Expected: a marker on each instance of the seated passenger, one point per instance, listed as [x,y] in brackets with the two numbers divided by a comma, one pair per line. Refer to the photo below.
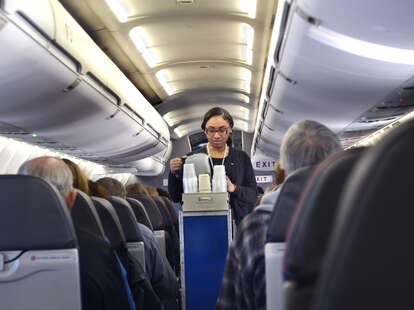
[137,189]
[97,190]
[163,193]
[80,181]
[306,143]
[156,265]
[278,177]
[102,283]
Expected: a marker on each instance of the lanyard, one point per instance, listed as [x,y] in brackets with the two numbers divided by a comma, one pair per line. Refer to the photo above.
[211,160]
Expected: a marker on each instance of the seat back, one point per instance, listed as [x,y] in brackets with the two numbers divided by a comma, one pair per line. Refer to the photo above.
[84,215]
[286,203]
[140,212]
[274,278]
[133,235]
[369,260]
[311,226]
[38,247]
[161,240]
[276,235]
[154,214]
[112,227]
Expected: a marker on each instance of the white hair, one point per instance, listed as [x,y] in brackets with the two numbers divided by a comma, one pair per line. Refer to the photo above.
[307,143]
[51,169]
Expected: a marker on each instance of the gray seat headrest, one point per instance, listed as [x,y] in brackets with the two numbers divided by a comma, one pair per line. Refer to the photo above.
[33,215]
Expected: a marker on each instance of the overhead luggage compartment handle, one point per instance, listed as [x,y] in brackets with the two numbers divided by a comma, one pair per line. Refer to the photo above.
[109,92]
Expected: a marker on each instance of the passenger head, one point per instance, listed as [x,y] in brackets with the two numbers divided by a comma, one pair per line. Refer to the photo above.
[152,191]
[54,171]
[217,125]
[278,174]
[113,187]
[163,193]
[137,189]
[307,143]
[97,190]
[80,181]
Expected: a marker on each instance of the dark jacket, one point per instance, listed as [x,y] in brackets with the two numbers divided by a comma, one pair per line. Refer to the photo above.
[101,279]
[239,170]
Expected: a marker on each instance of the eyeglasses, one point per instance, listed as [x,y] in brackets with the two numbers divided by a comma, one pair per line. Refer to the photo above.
[221,131]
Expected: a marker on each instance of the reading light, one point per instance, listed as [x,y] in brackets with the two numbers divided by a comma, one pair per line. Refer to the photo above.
[120,8]
[249,7]
[142,43]
[362,48]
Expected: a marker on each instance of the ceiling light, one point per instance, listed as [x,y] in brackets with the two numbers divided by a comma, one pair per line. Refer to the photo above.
[248,41]
[168,120]
[242,125]
[248,35]
[178,132]
[246,74]
[120,8]
[164,80]
[249,7]
[246,113]
[142,43]
[362,48]
[245,98]
[246,79]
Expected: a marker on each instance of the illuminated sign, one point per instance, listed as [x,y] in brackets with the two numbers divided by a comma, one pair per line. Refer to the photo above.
[264,179]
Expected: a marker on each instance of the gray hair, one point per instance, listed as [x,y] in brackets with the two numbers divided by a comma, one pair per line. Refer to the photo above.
[307,143]
[52,170]
[113,186]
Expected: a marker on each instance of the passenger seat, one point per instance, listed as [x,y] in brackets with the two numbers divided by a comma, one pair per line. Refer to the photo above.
[39,265]
[312,225]
[369,261]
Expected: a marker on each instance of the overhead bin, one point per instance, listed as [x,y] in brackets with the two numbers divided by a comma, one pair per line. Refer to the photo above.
[57,84]
[154,165]
[331,63]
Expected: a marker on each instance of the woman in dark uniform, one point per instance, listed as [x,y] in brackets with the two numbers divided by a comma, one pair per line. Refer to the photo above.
[241,183]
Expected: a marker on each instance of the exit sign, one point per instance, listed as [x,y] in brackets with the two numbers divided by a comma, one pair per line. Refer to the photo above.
[264,179]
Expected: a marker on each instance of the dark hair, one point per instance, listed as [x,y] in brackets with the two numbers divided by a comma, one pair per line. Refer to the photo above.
[217,111]
[98,190]
[113,187]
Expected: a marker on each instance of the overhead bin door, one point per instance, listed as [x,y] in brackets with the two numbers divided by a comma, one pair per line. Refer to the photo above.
[44,94]
[29,77]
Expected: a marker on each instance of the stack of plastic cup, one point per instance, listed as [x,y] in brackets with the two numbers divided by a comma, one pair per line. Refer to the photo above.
[189,179]
[204,185]
[219,179]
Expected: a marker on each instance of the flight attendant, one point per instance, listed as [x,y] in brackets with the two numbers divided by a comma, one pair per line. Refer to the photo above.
[241,183]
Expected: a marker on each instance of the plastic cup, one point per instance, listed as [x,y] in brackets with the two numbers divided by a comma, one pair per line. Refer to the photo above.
[219,179]
[189,171]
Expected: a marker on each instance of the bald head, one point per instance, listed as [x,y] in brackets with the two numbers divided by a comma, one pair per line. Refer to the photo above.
[54,171]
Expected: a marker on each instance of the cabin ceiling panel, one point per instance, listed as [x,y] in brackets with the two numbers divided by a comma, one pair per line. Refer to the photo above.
[179,116]
[172,7]
[173,51]
[212,96]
